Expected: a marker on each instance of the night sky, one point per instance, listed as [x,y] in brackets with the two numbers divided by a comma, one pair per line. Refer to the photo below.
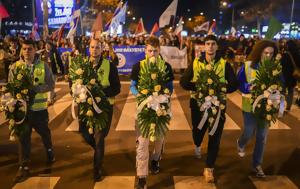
[150,10]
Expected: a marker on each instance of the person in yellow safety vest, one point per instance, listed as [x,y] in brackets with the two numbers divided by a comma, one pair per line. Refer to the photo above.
[262,50]
[109,79]
[142,150]
[187,82]
[37,115]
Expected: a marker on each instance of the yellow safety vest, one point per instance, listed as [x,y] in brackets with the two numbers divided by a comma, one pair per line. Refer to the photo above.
[40,99]
[250,77]
[219,66]
[103,77]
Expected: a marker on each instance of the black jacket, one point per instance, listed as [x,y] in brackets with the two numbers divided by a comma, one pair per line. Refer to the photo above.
[230,77]
[56,62]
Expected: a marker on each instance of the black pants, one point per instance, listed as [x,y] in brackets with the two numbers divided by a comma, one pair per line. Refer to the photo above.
[213,141]
[39,121]
[96,140]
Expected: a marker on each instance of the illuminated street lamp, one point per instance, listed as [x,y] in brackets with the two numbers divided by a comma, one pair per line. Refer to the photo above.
[224,4]
[190,19]
[201,13]
[128,12]
[133,18]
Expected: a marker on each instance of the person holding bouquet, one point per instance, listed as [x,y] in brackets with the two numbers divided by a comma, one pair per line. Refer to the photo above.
[99,80]
[209,78]
[260,83]
[37,113]
[152,84]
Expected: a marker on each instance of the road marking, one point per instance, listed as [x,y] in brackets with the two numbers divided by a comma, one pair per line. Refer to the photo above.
[59,106]
[38,183]
[74,126]
[192,182]
[274,182]
[114,182]
[128,115]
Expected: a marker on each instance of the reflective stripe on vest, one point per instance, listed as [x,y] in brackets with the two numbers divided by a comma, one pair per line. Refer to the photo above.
[103,73]
[250,74]
[40,99]
[197,66]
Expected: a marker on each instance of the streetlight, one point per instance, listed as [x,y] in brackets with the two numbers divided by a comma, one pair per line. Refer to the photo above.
[292,15]
[190,19]
[201,13]
[226,5]
[133,18]
[128,12]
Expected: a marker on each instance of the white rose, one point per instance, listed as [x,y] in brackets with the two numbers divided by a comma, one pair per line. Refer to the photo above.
[93,81]
[275,72]
[153,76]
[208,67]
[91,131]
[214,111]
[89,113]
[11,122]
[222,106]
[268,117]
[209,81]
[166,91]
[90,101]
[82,97]
[19,76]
[274,87]
[263,86]
[79,71]
[98,99]
[200,95]
[224,89]
[155,93]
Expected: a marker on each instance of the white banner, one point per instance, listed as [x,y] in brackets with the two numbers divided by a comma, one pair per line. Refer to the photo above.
[177,58]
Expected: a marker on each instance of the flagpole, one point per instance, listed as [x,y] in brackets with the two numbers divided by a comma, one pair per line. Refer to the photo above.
[292,15]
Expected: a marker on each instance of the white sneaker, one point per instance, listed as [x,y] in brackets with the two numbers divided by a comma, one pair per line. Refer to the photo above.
[198,152]
[209,175]
[241,151]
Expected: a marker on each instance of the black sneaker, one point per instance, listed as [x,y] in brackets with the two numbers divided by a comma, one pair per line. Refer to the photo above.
[141,183]
[155,167]
[22,175]
[50,156]
[258,171]
[97,174]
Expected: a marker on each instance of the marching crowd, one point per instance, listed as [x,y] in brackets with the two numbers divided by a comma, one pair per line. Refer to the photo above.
[237,60]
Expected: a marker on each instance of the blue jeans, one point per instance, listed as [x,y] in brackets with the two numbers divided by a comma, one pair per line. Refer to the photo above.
[252,126]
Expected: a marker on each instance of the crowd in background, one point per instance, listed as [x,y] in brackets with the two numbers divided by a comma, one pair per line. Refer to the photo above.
[234,49]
